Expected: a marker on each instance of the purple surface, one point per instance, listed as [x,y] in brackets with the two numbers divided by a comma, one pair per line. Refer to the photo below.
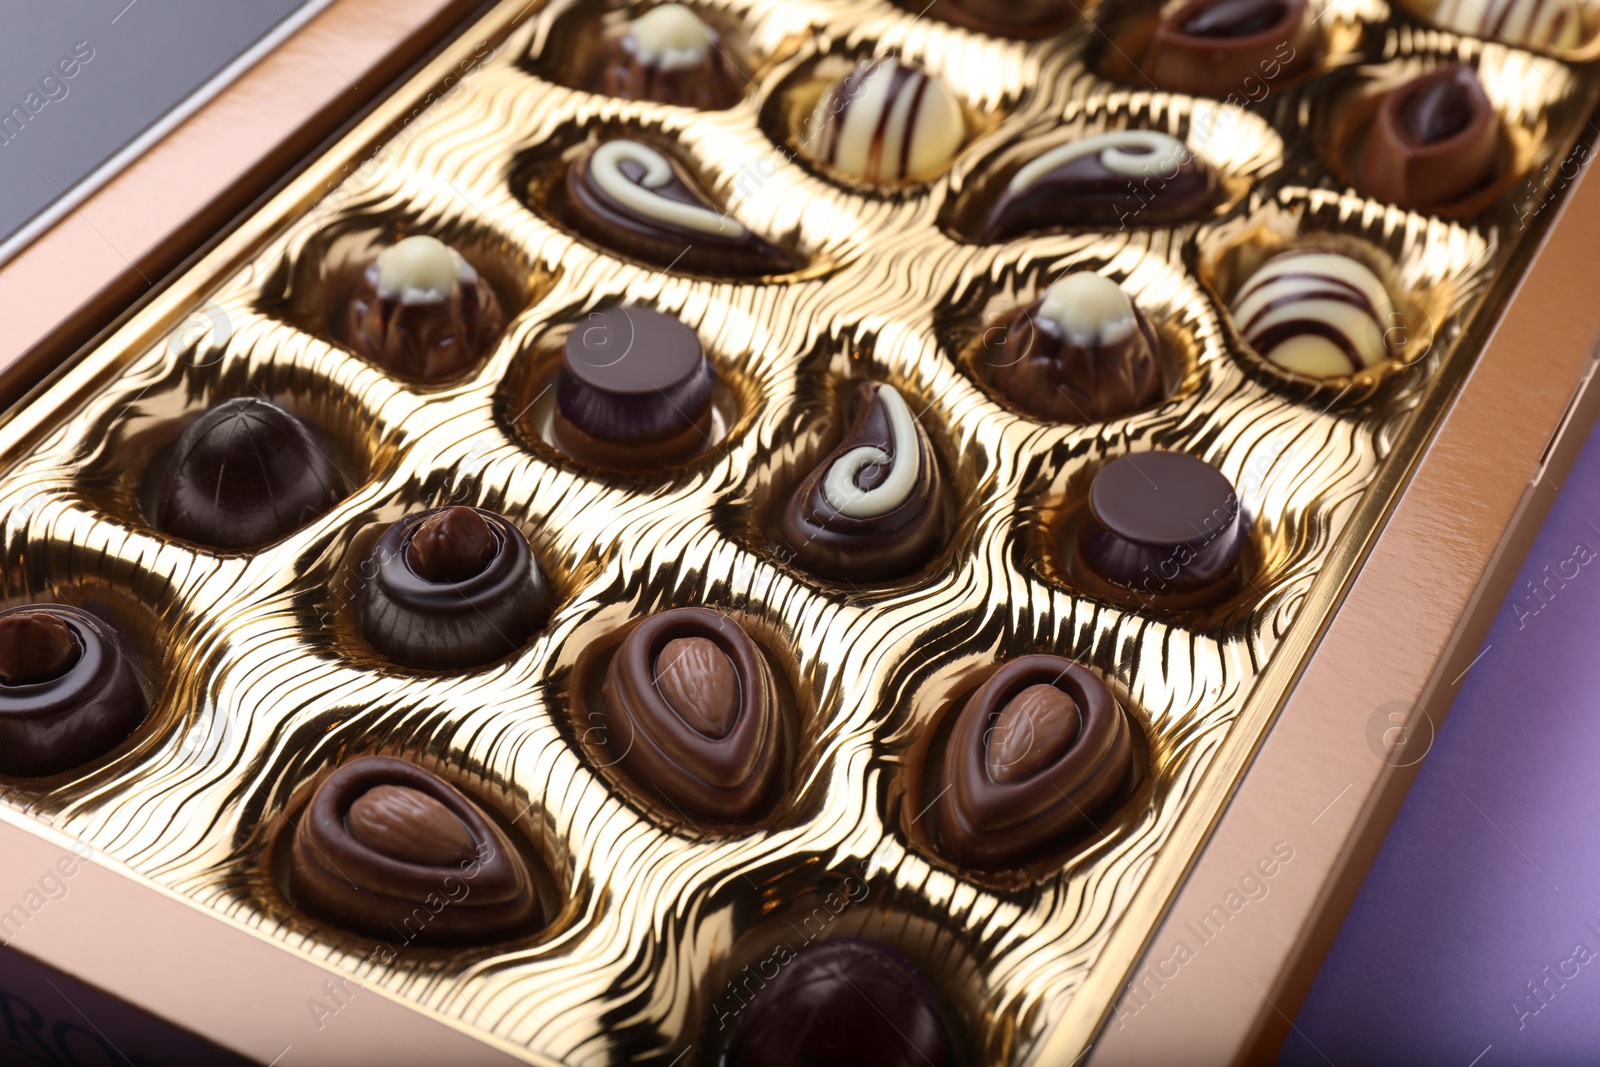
[1476,937]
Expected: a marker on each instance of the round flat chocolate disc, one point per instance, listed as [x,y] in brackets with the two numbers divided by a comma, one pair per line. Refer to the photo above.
[1161,498]
[632,351]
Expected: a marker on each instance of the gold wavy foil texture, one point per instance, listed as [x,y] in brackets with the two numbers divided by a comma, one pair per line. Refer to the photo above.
[263,682]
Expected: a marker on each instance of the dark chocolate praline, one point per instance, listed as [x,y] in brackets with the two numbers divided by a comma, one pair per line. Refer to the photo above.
[68,690]
[1005,17]
[245,473]
[422,312]
[1222,47]
[388,849]
[692,716]
[847,1002]
[1162,529]
[1036,752]
[669,55]
[634,391]
[1083,352]
[631,197]
[1121,178]
[1433,140]
[451,588]
[873,510]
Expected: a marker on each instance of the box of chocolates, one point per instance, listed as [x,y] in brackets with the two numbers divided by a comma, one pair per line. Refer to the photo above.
[758,533]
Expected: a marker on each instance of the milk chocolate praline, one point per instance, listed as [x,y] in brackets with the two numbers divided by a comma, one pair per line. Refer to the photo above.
[68,690]
[634,391]
[1083,352]
[1121,178]
[1036,752]
[388,849]
[846,1002]
[629,196]
[669,55]
[873,510]
[1161,530]
[691,715]
[1230,47]
[422,312]
[1433,140]
[246,472]
[450,588]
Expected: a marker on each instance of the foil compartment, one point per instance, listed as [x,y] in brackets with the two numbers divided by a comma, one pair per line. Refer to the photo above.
[263,684]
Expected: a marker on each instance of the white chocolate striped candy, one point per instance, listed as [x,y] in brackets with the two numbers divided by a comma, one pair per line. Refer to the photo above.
[886,122]
[1530,23]
[1314,313]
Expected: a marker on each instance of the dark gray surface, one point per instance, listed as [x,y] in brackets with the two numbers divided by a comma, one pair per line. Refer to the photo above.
[134,64]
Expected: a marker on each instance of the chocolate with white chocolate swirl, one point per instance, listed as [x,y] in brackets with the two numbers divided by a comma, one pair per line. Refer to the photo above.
[1314,313]
[886,122]
[873,510]
[629,196]
[1122,178]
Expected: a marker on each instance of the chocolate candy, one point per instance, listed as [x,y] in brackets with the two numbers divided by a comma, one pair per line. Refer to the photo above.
[388,849]
[1037,751]
[848,1002]
[1002,16]
[873,510]
[628,196]
[1432,141]
[68,691]
[1314,313]
[1218,47]
[886,122]
[691,715]
[451,588]
[244,473]
[1544,24]
[669,55]
[1122,178]
[1080,353]
[634,391]
[1162,529]
[422,312]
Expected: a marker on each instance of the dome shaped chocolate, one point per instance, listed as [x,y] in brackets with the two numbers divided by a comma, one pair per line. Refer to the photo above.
[1433,140]
[1548,25]
[691,715]
[1121,178]
[628,196]
[634,391]
[886,122]
[245,473]
[670,56]
[68,691]
[451,588]
[848,1002]
[422,312]
[1162,529]
[388,849]
[1083,352]
[1314,313]
[1223,47]
[873,509]
[1036,752]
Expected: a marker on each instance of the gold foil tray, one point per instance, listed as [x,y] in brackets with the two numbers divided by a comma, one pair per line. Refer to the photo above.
[262,683]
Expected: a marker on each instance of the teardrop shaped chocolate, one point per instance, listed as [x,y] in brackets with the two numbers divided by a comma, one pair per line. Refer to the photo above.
[68,689]
[635,199]
[389,849]
[1434,139]
[408,825]
[427,601]
[873,510]
[668,738]
[1032,729]
[1221,47]
[1019,777]
[699,681]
